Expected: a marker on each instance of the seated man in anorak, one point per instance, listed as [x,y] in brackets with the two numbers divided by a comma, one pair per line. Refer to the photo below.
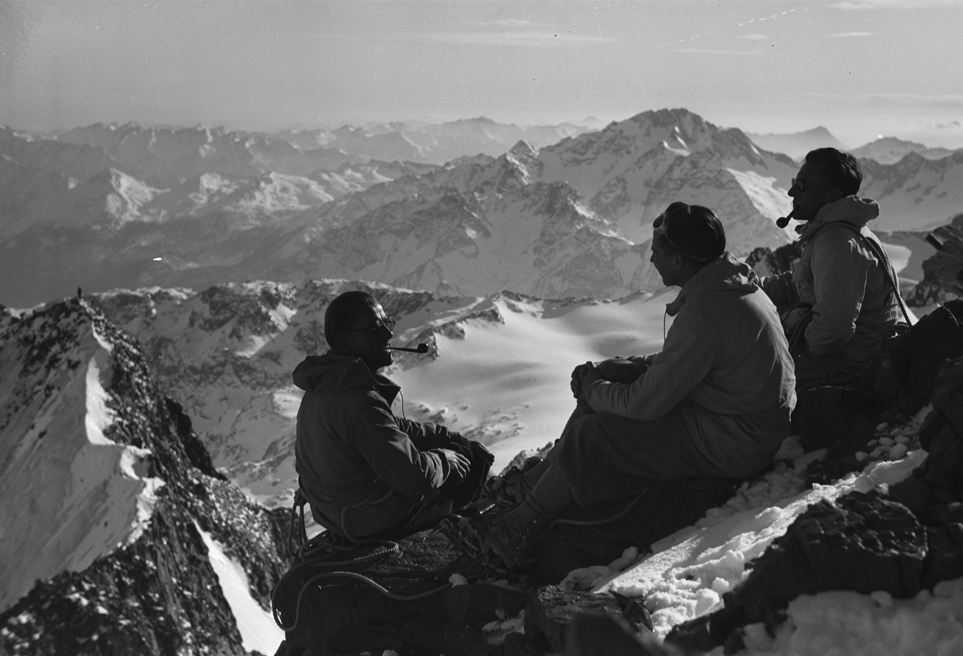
[365,472]
[841,300]
[715,402]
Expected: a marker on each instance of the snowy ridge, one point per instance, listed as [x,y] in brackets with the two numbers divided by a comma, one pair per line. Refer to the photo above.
[87,492]
[114,520]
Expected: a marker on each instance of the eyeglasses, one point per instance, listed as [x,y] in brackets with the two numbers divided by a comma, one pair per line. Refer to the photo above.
[387,322]
[661,227]
[799,185]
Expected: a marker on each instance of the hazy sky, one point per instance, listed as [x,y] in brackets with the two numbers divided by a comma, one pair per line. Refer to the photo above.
[859,67]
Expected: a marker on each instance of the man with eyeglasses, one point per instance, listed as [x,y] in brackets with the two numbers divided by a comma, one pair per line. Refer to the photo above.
[841,300]
[365,472]
[715,402]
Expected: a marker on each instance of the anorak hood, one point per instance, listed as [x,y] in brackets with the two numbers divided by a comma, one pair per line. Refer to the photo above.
[332,372]
[723,273]
[853,210]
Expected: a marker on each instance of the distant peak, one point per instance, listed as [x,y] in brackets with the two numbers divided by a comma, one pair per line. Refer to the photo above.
[477,119]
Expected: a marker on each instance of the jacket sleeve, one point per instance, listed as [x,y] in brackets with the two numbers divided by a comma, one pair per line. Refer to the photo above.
[425,436]
[684,362]
[392,455]
[780,289]
[839,271]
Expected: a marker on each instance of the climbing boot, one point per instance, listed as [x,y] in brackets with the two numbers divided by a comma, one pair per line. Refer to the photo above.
[503,542]
[510,488]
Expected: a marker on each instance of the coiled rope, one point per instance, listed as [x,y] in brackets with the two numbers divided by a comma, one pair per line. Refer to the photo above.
[314,553]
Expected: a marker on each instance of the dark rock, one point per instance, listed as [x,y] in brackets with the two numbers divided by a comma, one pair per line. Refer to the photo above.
[594,634]
[553,609]
[942,272]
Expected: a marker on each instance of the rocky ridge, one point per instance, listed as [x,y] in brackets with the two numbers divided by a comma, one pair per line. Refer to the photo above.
[104,478]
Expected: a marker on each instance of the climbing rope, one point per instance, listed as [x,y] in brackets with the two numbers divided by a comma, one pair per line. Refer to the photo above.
[597,522]
[314,553]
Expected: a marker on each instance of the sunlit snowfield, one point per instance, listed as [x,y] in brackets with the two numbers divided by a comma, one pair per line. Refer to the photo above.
[507,385]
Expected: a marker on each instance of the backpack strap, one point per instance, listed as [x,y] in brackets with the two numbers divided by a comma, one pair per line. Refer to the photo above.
[881,255]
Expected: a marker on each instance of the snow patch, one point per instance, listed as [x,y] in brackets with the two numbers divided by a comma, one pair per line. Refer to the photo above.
[255,624]
[771,201]
[678,151]
[99,417]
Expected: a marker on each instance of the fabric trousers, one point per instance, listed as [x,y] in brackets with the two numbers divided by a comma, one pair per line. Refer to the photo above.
[433,507]
[606,457]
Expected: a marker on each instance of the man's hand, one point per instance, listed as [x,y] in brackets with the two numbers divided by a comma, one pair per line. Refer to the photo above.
[588,375]
[582,376]
[457,463]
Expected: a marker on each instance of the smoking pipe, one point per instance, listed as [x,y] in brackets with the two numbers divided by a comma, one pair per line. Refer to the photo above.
[783,221]
[421,348]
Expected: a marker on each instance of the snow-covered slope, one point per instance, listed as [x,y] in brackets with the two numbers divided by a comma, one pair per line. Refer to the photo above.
[64,483]
[113,517]
[915,193]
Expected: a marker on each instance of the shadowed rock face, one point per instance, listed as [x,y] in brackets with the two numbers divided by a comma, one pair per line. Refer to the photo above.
[943,272]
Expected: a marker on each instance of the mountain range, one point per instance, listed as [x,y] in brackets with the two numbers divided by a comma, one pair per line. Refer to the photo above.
[431,143]
[113,206]
[797,144]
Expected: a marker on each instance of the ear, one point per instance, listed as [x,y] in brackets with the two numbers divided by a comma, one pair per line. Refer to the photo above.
[340,342]
[834,194]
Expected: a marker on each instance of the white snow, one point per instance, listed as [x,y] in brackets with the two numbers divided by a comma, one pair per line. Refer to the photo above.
[68,494]
[507,385]
[898,255]
[99,417]
[771,201]
[256,625]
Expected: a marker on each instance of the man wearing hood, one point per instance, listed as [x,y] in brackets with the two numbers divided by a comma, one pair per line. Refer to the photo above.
[366,473]
[714,402]
[839,302]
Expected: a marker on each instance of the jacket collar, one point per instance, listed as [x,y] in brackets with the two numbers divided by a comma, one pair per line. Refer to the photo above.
[851,210]
[723,273]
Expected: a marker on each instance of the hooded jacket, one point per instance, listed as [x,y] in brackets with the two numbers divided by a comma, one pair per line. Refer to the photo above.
[352,452]
[853,303]
[725,361]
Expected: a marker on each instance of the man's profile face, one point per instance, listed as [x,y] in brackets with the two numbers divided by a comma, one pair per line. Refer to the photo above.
[811,192]
[367,337]
[664,262]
